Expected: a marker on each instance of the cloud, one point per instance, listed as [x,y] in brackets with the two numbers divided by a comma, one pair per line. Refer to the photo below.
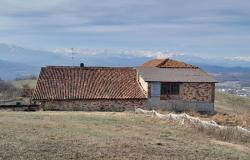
[210,27]
[101,29]
[117,53]
[129,12]
[239,58]
[29,6]
[8,23]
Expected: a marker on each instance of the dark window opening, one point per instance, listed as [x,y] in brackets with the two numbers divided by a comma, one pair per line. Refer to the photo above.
[169,88]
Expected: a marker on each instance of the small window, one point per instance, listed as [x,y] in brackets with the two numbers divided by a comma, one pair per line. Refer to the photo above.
[168,88]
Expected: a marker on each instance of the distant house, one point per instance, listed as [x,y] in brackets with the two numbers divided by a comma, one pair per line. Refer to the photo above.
[177,86]
[159,83]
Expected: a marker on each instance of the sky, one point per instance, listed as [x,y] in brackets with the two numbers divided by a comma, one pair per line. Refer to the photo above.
[210,28]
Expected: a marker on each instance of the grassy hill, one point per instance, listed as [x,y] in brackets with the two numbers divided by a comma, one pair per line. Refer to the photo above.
[14,92]
[21,83]
[119,135]
[228,103]
[95,135]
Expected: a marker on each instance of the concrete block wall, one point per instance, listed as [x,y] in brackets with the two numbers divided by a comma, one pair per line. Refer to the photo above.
[180,105]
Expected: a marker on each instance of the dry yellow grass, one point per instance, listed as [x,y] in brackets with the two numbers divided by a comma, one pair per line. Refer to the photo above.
[231,104]
[242,120]
[230,110]
[21,83]
[96,135]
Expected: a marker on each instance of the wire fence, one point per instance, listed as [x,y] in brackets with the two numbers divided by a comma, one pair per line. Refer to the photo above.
[222,132]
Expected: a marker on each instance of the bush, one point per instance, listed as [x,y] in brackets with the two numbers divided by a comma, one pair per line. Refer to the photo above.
[8,91]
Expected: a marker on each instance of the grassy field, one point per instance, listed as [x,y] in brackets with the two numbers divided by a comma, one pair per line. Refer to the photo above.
[120,135]
[228,103]
[21,83]
[96,135]
[232,110]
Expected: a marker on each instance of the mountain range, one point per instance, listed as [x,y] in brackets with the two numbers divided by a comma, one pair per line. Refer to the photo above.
[16,61]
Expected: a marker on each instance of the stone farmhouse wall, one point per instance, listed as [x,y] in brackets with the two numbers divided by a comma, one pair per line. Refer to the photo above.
[197,92]
[200,92]
[192,96]
[93,105]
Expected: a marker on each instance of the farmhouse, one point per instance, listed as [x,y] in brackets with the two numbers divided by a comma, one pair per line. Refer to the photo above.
[177,86]
[89,89]
[158,83]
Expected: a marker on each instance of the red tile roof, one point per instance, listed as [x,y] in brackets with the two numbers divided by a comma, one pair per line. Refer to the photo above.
[71,83]
[167,63]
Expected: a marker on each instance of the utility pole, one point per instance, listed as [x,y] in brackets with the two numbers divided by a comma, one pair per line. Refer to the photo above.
[72,56]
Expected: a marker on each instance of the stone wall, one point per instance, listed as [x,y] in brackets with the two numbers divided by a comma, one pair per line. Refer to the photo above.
[197,92]
[93,105]
[192,96]
[19,107]
[203,92]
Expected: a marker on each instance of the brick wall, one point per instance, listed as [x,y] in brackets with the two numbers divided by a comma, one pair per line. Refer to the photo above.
[93,105]
[197,92]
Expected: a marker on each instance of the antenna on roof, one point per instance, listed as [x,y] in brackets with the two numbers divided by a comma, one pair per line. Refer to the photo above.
[72,56]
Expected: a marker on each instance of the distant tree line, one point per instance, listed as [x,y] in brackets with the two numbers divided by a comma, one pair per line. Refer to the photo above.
[27,77]
[4,86]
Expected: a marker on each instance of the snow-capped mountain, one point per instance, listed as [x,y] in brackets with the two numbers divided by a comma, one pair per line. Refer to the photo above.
[15,60]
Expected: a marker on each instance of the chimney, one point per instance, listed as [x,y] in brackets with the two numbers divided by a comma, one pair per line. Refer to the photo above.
[81,64]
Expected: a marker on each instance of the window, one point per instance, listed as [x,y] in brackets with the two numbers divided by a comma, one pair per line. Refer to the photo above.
[168,88]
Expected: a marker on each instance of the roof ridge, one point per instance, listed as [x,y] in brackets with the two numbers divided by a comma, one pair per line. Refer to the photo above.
[168,63]
[89,67]
[163,61]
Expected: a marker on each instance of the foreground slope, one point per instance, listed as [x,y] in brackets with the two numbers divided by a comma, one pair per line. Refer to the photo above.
[95,135]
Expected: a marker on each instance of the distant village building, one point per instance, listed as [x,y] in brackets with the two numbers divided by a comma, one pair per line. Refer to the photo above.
[158,84]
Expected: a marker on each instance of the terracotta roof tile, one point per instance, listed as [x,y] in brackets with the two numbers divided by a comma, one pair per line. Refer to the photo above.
[68,83]
[167,63]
